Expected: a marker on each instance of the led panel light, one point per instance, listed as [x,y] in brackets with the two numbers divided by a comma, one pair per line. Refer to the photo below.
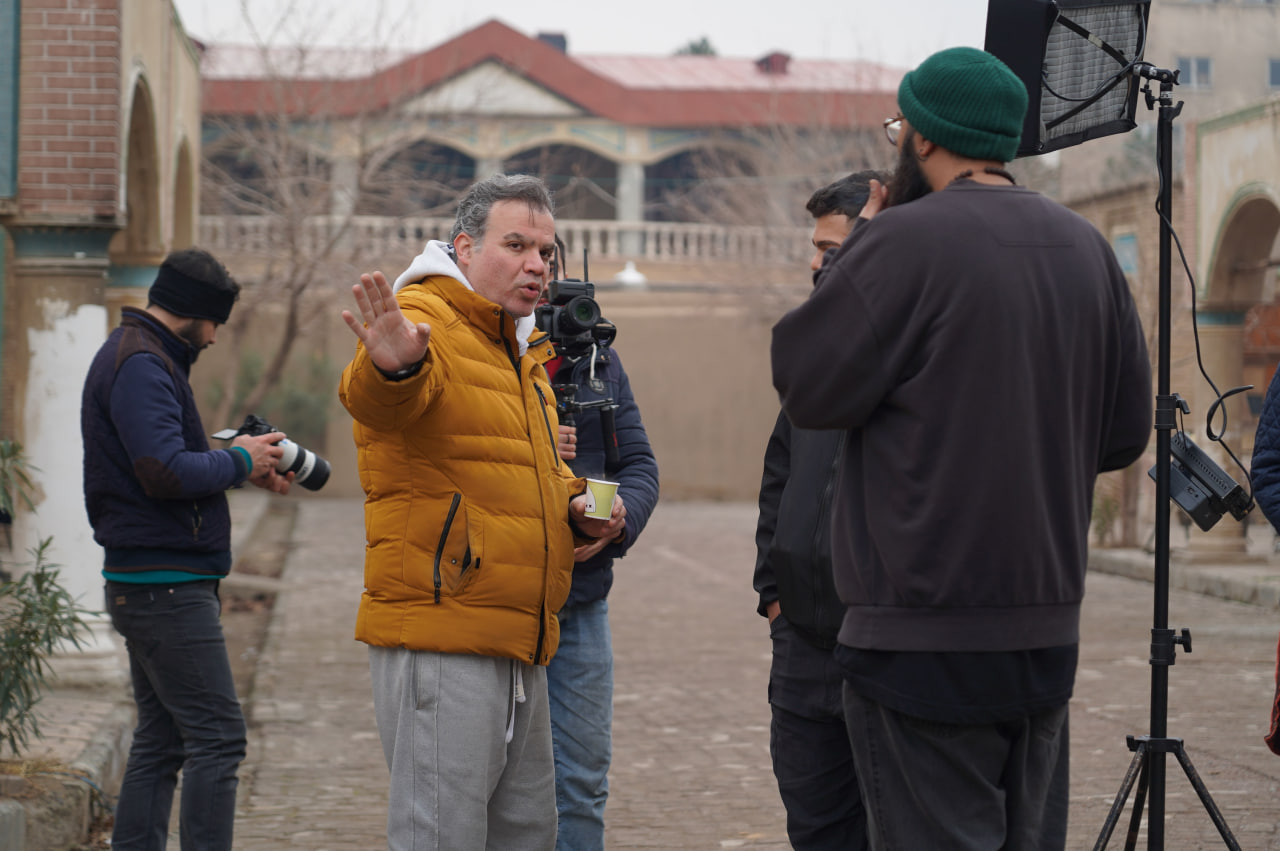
[1076,58]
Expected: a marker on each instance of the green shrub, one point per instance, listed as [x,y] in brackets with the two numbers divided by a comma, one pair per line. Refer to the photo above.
[15,479]
[36,615]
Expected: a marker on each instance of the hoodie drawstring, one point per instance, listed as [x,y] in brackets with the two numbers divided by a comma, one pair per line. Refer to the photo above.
[517,696]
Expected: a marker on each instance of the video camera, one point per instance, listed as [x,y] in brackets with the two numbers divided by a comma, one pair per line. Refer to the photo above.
[571,315]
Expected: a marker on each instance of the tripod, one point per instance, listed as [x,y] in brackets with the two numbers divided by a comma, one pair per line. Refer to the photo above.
[1148,764]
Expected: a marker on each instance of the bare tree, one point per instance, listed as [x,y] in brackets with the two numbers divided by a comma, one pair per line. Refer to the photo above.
[290,178]
[762,175]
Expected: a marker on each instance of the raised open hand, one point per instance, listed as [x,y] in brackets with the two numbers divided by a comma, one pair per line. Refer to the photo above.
[393,342]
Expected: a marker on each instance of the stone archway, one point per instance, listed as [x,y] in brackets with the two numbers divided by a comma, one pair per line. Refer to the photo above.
[1244,271]
[142,240]
[136,251]
[585,183]
[1238,216]
[421,178]
[701,183]
[1241,267]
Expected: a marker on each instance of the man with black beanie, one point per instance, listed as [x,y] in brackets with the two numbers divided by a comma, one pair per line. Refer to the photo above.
[980,346]
[155,494]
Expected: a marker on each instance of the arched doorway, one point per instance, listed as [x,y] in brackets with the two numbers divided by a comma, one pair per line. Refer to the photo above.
[709,184]
[1244,271]
[584,184]
[420,179]
[141,242]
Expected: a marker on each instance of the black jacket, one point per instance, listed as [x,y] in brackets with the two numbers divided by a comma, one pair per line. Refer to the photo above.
[982,349]
[1265,470]
[793,533]
[636,472]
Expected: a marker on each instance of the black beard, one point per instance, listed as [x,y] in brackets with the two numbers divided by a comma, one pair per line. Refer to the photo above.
[190,334]
[908,182]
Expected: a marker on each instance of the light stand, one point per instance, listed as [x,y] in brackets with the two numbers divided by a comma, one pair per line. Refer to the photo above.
[1148,764]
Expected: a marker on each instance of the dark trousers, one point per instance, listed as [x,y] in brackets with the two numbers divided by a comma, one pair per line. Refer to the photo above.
[967,787]
[809,744]
[188,717]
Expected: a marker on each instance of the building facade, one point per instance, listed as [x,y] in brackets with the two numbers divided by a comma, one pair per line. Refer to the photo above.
[99,165]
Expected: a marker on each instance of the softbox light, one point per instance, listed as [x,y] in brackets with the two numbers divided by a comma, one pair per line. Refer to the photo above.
[1076,58]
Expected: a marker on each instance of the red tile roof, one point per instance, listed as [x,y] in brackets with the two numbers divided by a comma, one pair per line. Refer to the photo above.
[674,91]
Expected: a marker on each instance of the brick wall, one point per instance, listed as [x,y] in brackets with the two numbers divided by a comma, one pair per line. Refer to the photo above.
[69,123]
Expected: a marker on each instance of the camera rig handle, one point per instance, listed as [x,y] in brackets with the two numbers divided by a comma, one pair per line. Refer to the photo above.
[567,405]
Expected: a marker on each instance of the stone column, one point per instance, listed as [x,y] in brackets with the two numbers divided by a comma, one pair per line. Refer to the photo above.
[128,284]
[344,195]
[55,320]
[1222,349]
[488,166]
[345,183]
[630,205]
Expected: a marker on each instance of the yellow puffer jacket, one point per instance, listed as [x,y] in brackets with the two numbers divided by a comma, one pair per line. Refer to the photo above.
[468,547]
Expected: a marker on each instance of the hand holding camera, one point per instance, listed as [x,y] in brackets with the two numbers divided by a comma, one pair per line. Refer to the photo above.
[277,454]
[265,453]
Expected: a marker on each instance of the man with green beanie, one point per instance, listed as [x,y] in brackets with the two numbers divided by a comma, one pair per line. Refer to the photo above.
[979,346]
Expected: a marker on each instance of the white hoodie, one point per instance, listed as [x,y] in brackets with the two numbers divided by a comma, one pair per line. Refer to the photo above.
[437,259]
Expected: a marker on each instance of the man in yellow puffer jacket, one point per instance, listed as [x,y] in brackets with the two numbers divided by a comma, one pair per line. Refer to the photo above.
[471,519]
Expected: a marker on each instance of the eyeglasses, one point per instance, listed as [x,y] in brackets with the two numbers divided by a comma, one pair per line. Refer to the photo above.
[893,129]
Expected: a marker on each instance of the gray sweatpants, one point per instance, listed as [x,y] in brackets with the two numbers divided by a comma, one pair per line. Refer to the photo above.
[457,784]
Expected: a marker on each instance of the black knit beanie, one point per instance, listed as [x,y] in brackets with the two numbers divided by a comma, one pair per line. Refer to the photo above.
[183,295]
[966,101]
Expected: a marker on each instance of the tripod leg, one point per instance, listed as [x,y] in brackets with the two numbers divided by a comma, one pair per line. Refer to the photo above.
[1136,766]
[1214,813]
[1139,801]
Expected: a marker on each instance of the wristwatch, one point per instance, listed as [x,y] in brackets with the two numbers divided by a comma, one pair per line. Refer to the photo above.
[401,374]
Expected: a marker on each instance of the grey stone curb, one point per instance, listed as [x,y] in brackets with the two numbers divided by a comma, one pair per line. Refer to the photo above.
[45,824]
[49,825]
[13,825]
[1256,582]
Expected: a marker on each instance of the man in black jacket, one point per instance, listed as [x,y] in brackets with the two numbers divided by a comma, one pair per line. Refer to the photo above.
[807,738]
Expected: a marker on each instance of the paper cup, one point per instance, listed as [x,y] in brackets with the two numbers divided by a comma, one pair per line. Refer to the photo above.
[600,498]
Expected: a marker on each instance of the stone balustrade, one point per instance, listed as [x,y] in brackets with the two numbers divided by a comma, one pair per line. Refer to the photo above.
[675,242]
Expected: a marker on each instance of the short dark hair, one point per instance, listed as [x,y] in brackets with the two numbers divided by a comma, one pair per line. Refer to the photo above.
[473,209]
[848,195]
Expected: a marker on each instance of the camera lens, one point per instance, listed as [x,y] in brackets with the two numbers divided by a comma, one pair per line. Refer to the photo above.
[309,469]
[579,315]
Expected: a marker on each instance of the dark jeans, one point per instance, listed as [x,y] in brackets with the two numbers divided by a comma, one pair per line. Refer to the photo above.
[967,787]
[188,717]
[809,743]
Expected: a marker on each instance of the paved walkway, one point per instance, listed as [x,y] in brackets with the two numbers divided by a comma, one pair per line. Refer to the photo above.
[691,766]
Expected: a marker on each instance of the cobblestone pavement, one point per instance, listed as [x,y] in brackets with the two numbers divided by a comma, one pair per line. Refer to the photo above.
[691,764]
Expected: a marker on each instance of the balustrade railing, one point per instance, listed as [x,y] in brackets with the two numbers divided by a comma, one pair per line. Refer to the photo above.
[650,242]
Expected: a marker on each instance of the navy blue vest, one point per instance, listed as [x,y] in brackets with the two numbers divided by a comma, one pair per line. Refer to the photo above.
[123,516]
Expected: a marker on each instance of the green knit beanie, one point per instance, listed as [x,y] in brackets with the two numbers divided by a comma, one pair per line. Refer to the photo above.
[966,101]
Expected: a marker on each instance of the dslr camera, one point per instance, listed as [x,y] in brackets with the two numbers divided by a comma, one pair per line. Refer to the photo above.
[309,469]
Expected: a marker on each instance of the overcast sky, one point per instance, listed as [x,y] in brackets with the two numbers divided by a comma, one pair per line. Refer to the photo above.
[888,31]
